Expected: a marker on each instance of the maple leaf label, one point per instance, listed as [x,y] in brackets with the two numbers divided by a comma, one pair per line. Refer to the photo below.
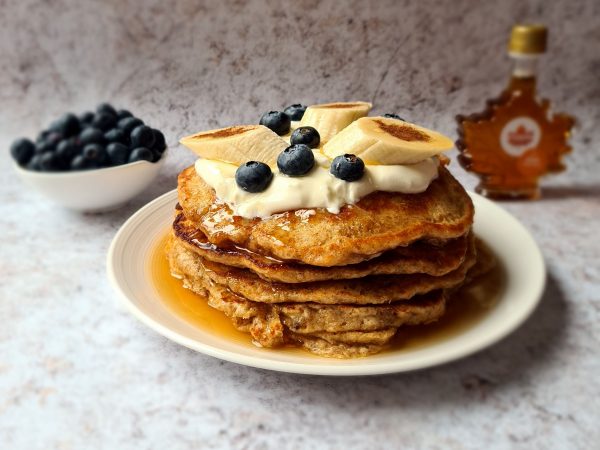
[519,135]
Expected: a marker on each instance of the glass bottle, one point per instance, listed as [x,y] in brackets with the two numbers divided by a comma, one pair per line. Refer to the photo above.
[516,139]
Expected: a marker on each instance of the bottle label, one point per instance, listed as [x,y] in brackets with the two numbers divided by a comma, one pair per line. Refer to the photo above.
[519,135]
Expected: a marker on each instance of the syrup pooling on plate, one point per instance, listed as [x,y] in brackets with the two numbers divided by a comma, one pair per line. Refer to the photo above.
[465,309]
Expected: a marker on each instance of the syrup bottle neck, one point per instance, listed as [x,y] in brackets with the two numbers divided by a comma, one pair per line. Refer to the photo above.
[524,72]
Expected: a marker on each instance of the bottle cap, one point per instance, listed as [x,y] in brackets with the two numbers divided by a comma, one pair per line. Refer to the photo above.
[528,39]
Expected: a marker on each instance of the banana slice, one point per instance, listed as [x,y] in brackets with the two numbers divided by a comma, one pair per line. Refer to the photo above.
[383,141]
[330,118]
[237,145]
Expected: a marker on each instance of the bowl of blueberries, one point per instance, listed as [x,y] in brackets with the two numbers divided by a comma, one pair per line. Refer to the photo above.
[92,162]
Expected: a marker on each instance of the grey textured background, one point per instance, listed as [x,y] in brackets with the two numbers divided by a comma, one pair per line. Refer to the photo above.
[76,371]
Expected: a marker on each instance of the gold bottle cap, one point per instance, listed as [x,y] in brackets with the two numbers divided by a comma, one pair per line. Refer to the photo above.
[528,39]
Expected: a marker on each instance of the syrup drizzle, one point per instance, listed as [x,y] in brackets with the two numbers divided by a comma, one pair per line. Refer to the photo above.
[465,309]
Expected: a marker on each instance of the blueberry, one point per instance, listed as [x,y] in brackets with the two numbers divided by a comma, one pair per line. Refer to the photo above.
[156,155]
[141,154]
[34,162]
[394,116]
[296,160]
[106,108]
[67,125]
[142,136]
[95,153]
[53,138]
[118,153]
[80,163]
[91,135]
[122,113]
[86,118]
[159,141]
[347,167]
[253,176]
[104,121]
[49,143]
[307,136]
[128,124]
[67,149]
[42,136]
[43,147]
[295,111]
[48,162]
[276,121]
[116,135]
[22,150]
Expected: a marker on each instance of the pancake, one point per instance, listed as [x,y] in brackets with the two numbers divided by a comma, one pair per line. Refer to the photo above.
[419,257]
[377,289]
[379,222]
[322,347]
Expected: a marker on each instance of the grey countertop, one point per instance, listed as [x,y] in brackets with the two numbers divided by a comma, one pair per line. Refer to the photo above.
[77,371]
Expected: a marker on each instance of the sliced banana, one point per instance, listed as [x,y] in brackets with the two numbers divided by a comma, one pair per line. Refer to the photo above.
[384,141]
[330,118]
[238,144]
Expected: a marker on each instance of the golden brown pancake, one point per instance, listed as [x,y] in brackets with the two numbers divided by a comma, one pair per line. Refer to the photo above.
[329,330]
[379,222]
[377,289]
[419,257]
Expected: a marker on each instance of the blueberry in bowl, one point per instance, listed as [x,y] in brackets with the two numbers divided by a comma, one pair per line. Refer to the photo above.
[92,161]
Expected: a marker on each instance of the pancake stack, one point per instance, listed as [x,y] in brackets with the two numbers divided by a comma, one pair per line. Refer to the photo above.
[340,285]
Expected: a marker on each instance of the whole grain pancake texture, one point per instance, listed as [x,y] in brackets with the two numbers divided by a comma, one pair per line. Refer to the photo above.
[349,270]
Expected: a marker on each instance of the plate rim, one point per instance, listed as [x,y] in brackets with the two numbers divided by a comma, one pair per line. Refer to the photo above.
[386,367]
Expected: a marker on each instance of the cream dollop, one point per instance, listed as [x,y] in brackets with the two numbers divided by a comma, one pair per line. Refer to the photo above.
[317,189]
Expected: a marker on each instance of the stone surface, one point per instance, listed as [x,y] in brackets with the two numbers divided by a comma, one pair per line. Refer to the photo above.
[77,371]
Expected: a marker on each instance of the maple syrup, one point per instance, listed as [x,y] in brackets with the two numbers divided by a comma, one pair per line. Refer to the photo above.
[464,309]
[516,139]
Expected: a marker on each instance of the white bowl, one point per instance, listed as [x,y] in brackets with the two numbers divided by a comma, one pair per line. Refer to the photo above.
[93,190]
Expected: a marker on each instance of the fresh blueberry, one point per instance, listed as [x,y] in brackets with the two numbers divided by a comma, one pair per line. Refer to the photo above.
[22,150]
[295,111]
[86,118]
[43,147]
[347,167]
[115,135]
[296,160]
[42,136]
[95,153]
[48,162]
[106,108]
[81,163]
[142,136]
[122,113]
[104,121]
[34,162]
[118,153]
[49,143]
[159,142]
[128,124]
[156,155]
[67,125]
[53,138]
[141,154]
[307,136]
[276,121]
[253,176]
[67,149]
[91,135]
[394,116]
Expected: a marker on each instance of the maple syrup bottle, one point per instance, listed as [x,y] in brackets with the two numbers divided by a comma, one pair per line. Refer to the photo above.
[516,139]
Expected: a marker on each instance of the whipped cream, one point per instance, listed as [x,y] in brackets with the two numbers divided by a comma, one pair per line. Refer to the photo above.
[317,189]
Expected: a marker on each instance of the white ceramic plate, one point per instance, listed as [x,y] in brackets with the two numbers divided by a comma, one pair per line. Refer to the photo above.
[129,272]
